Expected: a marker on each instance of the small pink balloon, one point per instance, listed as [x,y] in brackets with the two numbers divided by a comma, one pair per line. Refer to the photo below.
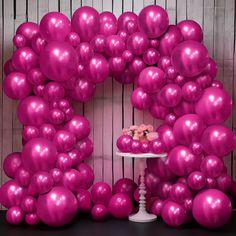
[85,52]
[38,90]
[123,34]
[73,39]
[125,186]
[136,66]
[38,43]
[125,18]
[156,207]
[196,180]
[108,23]
[11,163]
[15,216]
[191,91]
[217,84]
[56,175]
[140,99]
[99,212]
[204,80]
[171,73]
[157,146]
[8,67]
[64,162]
[128,56]
[72,180]
[179,192]
[36,77]
[180,80]
[211,68]
[211,183]
[124,143]
[224,182]
[170,119]
[85,147]
[22,177]
[196,148]
[145,147]
[64,140]
[117,64]
[47,131]
[137,43]
[19,40]
[28,204]
[84,200]
[154,43]
[101,193]
[158,111]
[164,63]
[56,116]
[98,43]
[76,157]
[87,175]
[53,91]
[131,26]
[163,190]
[32,219]
[114,45]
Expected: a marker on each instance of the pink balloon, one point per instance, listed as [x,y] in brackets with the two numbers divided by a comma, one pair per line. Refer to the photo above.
[156,207]
[47,131]
[57,208]
[224,182]
[99,212]
[72,180]
[163,190]
[28,204]
[211,68]
[136,146]
[169,40]
[11,163]
[190,30]
[101,193]
[157,146]
[214,213]
[145,147]
[154,43]
[211,183]
[85,22]
[85,147]
[98,43]
[36,77]
[196,148]
[38,43]
[39,154]
[217,84]
[126,186]
[73,39]
[8,67]
[123,34]
[33,111]
[151,56]
[204,80]
[164,63]
[32,219]
[170,119]
[128,56]
[137,43]
[38,90]
[182,162]
[117,64]
[22,176]
[15,216]
[126,18]
[152,182]
[189,58]
[53,91]
[140,99]
[108,23]
[124,143]
[64,141]
[218,140]
[61,65]
[84,200]
[173,214]
[120,206]
[188,129]
[151,79]
[11,194]
[153,21]
[136,66]
[64,162]
[76,157]
[87,175]
[114,45]
[191,91]
[179,192]
[54,26]
[24,59]
[158,111]
[56,116]
[180,80]
[56,175]
[29,30]
[171,73]
[215,106]
[184,108]
[196,180]
[19,40]
[85,52]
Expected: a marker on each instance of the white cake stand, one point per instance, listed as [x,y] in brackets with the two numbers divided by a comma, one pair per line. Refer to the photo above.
[142,215]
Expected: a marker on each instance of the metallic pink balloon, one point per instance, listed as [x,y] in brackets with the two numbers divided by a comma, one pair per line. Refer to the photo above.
[76,157]
[64,162]
[124,143]
[224,182]
[38,43]
[158,111]
[179,192]
[153,21]
[211,183]
[85,148]
[217,84]
[120,206]
[73,39]
[123,34]
[39,154]
[36,77]
[140,99]
[125,18]
[212,208]
[191,91]
[182,162]
[212,166]
[137,43]
[188,129]
[136,66]
[11,163]
[169,40]
[117,64]
[83,200]
[190,30]
[87,175]
[211,68]
[64,141]
[85,52]
[47,131]
[98,69]
[196,180]
[151,56]
[145,147]
[131,26]
[152,182]
[164,63]
[56,175]
[196,148]
[101,193]
[19,40]
[215,106]
[218,140]
[189,58]
[24,59]
[28,204]
[8,67]
[85,22]
[72,180]
[57,208]
[170,95]
[15,216]
[54,26]
[32,219]
[53,91]
[204,80]
[11,194]
[38,90]
[56,116]
[98,43]
[22,176]
[108,23]
[152,79]
[114,46]
[157,146]
[58,61]
[170,119]
[126,77]
[171,73]
[99,212]
[180,80]
[154,43]
[29,30]
[128,56]
[33,111]
[173,214]
[184,108]
[79,126]
[156,207]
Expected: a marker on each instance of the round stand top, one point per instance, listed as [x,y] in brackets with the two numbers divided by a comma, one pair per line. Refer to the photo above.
[141,155]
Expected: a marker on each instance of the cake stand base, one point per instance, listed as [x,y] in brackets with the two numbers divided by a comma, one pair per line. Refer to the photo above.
[142,217]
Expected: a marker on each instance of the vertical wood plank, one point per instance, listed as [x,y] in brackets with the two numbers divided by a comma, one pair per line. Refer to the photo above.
[32,9]
[53,5]
[171,9]
[65,7]
[181,13]
[43,8]
[195,11]
[161,3]
[75,4]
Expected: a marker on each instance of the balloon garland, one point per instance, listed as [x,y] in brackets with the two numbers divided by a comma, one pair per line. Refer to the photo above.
[61,60]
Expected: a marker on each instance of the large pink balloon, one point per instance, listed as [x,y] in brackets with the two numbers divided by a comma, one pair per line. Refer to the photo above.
[126,186]
[64,141]
[218,140]
[114,45]
[191,91]
[58,61]
[54,26]
[32,110]
[57,208]
[101,193]
[189,58]
[212,208]
[196,180]
[140,99]
[11,163]
[179,192]
[215,106]
[188,129]
[153,21]
[108,23]
[125,18]
[137,43]
[152,79]
[182,162]
[124,143]
[39,154]
[85,22]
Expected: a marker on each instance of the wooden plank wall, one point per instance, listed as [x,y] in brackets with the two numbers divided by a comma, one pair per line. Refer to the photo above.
[110,109]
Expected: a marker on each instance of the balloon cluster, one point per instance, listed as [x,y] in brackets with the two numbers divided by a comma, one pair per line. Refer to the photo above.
[61,60]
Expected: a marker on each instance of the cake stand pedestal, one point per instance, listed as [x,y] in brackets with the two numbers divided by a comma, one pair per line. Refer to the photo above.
[142,215]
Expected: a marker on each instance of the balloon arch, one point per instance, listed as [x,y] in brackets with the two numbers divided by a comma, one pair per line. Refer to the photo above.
[61,60]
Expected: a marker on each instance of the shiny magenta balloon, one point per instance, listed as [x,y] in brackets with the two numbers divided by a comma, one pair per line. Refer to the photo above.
[157,146]
[28,204]
[137,43]
[140,99]
[191,91]
[39,154]
[98,43]
[163,190]
[179,192]
[108,23]
[53,91]
[76,157]
[15,216]
[190,30]
[116,64]
[153,21]
[196,180]
[64,141]
[56,116]
[64,162]
[151,56]
[72,180]
[32,219]
[126,18]
[156,207]
[136,146]
[124,143]
[47,131]
[188,129]
[189,58]
[58,61]
[204,80]
[158,111]
[57,208]
[54,26]
[128,56]
[170,119]
[19,40]
[217,84]
[85,52]
[101,193]
[85,148]
[182,162]
[120,206]
[196,148]
[126,186]
[22,176]
[114,45]
[33,111]
[83,200]
[136,66]
[73,39]
[211,68]
[36,77]
[38,43]
[145,147]
[99,212]
[56,176]
[212,208]
[152,182]
[184,108]
[215,106]
[85,22]
[171,73]
[173,214]
[224,182]
[11,163]
[87,175]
